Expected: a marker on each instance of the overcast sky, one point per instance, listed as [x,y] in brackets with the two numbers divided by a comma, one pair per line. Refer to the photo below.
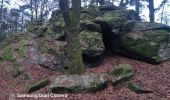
[145,13]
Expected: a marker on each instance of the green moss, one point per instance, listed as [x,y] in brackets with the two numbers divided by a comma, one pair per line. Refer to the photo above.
[85,16]
[16,70]
[25,76]
[60,24]
[92,10]
[146,48]
[33,87]
[90,26]
[43,48]
[77,88]
[92,41]
[22,50]
[157,35]
[109,20]
[158,58]
[121,78]
[76,65]
[136,88]
[52,51]
[31,27]
[7,55]
[129,25]
[123,72]
[148,45]
[128,41]
[122,69]
[52,31]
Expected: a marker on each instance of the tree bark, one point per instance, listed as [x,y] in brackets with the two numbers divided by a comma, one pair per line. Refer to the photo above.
[137,7]
[32,10]
[151,11]
[1,13]
[74,64]
[36,9]
[162,14]
[101,2]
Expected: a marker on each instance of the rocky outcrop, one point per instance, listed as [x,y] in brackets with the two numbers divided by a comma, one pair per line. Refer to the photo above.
[77,83]
[90,34]
[145,41]
[119,30]
[93,82]
[124,33]
[49,61]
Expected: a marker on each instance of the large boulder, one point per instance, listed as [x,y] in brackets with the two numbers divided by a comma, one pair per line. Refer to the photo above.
[112,22]
[56,23]
[109,7]
[52,53]
[90,33]
[77,83]
[91,42]
[145,41]
[49,61]
[123,32]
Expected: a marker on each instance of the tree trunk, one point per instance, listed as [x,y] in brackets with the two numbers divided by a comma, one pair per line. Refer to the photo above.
[32,11]
[42,9]
[123,4]
[151,11]
[36,9]
[137,7]
[1,13]
[74,64]
[101,2]
[162,13]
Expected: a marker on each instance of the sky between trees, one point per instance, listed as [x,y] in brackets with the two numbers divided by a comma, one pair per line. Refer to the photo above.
[145,12]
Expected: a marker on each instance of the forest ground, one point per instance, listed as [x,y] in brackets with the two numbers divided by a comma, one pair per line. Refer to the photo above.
[155,77]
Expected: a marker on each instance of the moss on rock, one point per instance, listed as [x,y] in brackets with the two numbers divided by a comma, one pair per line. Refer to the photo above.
[79,84]
[91,41]
[123,72]
[146,43]
[122,69]
[136,88]
[90,26]
[22,50]
[35,86]
[16,70]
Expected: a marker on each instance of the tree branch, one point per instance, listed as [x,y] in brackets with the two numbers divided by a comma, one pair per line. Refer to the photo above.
[161,5]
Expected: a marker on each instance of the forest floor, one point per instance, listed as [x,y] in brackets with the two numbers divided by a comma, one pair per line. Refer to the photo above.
[155,77]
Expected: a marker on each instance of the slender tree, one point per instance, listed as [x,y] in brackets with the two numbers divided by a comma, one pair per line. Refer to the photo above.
[74,64]
[152,9]
[1,13]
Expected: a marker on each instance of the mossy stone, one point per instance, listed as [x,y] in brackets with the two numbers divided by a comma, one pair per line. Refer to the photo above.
[35,86]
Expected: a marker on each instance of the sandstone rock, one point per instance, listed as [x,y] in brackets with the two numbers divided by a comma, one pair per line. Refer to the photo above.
[33,87]
[49,61]
[123,72]
[136,88]
[108,8]
[91,43]
[145,41]
[77,83]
